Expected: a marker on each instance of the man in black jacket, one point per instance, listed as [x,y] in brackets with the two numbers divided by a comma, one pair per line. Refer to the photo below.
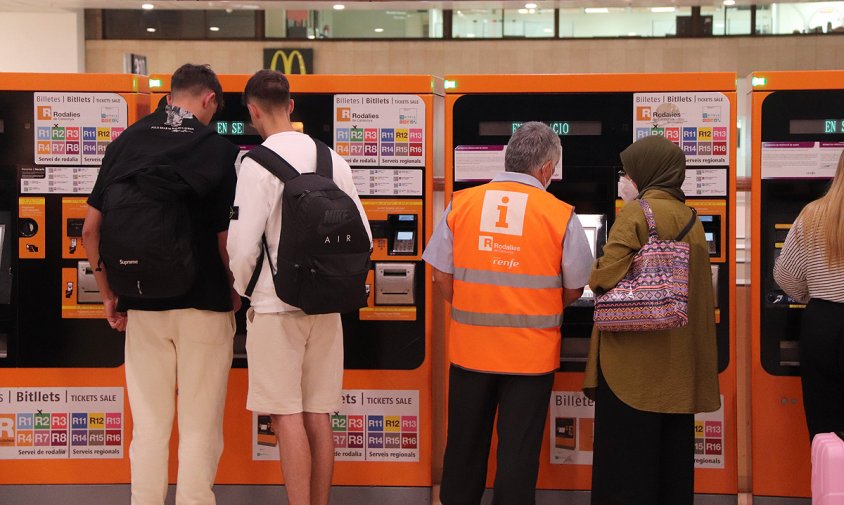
[182,342]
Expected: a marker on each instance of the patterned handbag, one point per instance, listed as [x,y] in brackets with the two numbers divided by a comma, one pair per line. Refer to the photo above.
[654,294]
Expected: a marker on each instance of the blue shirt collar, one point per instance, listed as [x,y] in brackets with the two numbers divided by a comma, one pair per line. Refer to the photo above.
[518,177]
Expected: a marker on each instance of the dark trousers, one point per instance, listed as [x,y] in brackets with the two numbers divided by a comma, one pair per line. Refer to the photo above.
[822,366]
[640,458]
[522,403]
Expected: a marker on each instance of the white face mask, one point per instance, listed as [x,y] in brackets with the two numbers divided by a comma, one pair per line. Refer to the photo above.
[627,189]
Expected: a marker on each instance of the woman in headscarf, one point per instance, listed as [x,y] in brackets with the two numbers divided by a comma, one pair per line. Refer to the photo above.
[647,386]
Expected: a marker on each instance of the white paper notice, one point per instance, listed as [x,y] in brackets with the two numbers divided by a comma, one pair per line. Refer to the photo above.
[61,423]
[705,182]
[76,128]
[573,427]
[699,123]
[388,181]
[800,160]
[58,180]
[372,425]
[482,163]
[380,130]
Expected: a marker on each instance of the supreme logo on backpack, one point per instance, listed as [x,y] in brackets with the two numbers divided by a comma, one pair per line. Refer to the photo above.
[324,249]
[146,235]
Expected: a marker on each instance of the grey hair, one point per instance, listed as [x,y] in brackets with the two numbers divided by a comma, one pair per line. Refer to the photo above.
[530,147]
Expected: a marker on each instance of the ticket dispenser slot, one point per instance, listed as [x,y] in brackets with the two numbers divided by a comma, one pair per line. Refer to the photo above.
[87,291]
[395,283]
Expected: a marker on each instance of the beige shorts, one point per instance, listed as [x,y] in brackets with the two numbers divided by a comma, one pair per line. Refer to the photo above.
[295,362]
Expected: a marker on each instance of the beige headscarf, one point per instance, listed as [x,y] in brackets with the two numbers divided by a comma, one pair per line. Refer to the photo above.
[656,163]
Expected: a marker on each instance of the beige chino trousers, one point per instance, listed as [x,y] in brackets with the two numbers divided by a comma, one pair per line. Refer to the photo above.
[177,359]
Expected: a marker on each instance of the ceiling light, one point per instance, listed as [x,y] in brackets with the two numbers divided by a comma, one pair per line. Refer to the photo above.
[214,28]
[470,35]
[548,30]
[379,30]
[151,29]
[728,3]
[311,37]
[596,10]
[523,11]
[147,7]
[663,9]
[631,34]
[339,7]
[531,11]
[530,6]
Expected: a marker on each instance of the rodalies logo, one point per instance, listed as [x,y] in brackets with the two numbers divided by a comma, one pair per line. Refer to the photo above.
[485,243]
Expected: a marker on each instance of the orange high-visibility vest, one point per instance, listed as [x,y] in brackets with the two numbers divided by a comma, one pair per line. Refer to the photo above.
[508,286]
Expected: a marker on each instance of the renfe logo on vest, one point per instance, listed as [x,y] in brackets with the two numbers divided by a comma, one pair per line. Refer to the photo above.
[503,212]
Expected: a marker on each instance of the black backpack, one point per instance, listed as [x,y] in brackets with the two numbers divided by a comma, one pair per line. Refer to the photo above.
[323,251]
[146,235]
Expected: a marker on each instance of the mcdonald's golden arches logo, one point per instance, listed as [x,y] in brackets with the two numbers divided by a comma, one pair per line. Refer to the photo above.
[289,60]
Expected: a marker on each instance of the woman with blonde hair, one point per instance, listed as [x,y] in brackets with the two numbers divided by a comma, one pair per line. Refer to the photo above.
[810,269]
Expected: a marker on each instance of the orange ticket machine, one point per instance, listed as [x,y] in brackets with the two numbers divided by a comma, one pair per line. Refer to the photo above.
[797,127]
[63,415]
[386,128]
[596,117]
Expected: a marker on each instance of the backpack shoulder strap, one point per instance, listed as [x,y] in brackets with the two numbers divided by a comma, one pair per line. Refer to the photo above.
[688,227]
[253,281]
[274,163]
[324,165]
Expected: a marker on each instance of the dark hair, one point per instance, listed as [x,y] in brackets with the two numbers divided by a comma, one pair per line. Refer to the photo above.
[195,79]
[269,87]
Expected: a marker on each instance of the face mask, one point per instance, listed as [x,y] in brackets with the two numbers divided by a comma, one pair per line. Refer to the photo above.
[627,190]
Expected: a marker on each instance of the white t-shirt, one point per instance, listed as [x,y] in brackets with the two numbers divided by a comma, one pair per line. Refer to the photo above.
[258,204]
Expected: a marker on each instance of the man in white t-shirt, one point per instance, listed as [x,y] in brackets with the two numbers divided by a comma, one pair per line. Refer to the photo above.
[295,359]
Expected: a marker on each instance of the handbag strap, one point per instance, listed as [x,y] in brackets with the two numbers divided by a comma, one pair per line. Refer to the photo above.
[688,227]
[649,217]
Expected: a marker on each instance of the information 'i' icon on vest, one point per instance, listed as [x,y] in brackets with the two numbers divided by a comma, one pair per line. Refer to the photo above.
[502,213]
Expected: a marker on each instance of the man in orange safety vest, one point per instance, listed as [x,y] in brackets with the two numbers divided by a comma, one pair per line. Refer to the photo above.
[508,256]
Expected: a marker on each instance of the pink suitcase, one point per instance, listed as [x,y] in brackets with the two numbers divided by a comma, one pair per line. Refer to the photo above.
[827,469]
